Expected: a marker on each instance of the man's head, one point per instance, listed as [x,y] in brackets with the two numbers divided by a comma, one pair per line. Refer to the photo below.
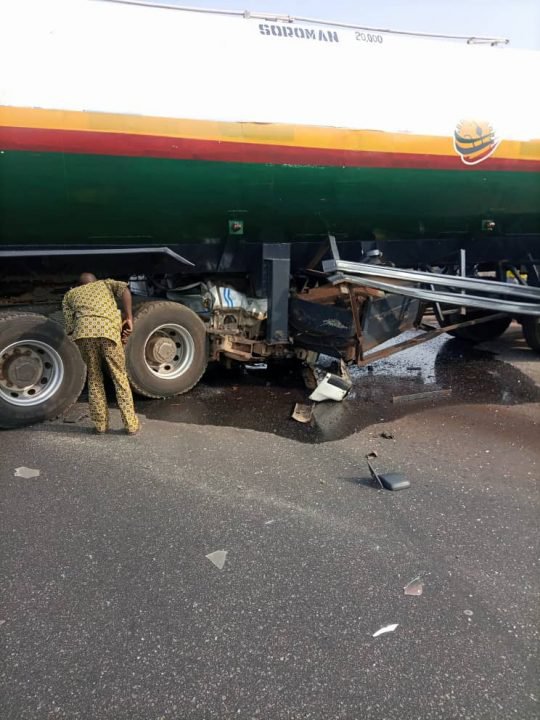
[87,278]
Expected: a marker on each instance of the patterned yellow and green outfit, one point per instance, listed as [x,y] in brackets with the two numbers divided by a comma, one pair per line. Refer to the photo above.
[93,320]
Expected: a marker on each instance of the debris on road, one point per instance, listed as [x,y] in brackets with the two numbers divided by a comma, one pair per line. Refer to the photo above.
[389,481]
[374,475]
[75,415]
[218,558]
[469,613]
[372,454]
[386,629]
[435,394]
[302,413]
[331,387]
[26,473]
[414,587]
[387,435]
[394,481]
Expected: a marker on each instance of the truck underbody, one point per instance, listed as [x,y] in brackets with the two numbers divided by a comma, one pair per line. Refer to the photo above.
[256,302]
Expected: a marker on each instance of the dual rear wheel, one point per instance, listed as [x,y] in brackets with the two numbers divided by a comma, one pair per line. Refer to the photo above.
[42,373]
[478,333]
[531,332]
[41,370]
[167,352]
[495,328]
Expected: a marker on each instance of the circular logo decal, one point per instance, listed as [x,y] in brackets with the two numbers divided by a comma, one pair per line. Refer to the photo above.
[475,141]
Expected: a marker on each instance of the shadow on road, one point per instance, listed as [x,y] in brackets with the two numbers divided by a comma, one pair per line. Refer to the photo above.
[258,400]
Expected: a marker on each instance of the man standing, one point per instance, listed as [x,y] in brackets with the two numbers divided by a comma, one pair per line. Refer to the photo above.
[92,319]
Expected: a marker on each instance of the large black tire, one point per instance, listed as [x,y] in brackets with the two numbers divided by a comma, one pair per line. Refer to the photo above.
[478,333]
[58,372]
[178,325]
[531,332]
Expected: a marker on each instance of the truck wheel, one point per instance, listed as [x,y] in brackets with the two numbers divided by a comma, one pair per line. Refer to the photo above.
[41,370]
[479,333]
[166,353]
[531,332]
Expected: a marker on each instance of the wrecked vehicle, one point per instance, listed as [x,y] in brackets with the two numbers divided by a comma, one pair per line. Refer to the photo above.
[268,198]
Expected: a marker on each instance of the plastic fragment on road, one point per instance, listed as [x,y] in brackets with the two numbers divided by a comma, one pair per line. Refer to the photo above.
[385,629]
[217,558]
[388,481]
[414,587]
[26,473]
[302,413]
[331,387]
[394,481]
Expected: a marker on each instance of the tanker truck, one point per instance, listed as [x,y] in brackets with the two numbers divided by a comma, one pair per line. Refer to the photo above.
[273,188]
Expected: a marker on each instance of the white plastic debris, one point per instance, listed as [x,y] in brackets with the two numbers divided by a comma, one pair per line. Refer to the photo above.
[414,587]
[386,629]
[331,387]
[218,558]
[25,472]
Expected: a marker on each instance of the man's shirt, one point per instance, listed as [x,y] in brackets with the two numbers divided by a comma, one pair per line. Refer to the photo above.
[90,310]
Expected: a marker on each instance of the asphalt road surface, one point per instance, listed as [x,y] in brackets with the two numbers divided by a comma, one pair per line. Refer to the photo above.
[111,609]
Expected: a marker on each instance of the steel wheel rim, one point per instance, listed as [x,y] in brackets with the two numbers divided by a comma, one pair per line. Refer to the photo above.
[51,374]
[185,351]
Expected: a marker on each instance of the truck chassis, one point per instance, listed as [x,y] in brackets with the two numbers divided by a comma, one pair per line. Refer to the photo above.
[327,305]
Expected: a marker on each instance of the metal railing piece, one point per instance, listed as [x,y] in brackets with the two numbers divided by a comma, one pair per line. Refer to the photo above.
[492,287]
[510,307]
[81,251]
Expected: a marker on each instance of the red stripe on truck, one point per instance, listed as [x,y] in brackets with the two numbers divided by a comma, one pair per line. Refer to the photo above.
[126,145]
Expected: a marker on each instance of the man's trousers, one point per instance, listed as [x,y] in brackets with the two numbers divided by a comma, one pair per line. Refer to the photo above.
[94,351]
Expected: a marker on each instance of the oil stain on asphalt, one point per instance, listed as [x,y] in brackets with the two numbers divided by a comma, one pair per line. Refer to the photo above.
[263,399]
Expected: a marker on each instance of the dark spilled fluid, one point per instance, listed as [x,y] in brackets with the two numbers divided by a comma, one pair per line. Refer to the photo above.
[263,399]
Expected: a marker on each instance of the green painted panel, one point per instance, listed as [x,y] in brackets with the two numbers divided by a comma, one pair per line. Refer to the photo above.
[52,198]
